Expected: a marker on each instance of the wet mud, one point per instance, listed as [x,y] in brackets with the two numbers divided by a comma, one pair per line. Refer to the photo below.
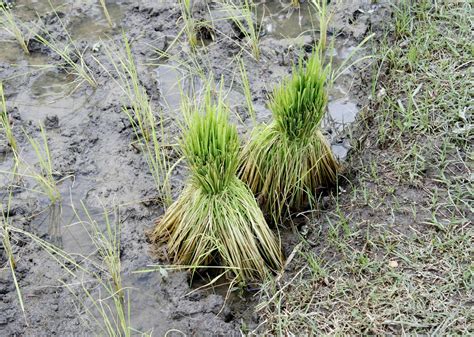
[90,142]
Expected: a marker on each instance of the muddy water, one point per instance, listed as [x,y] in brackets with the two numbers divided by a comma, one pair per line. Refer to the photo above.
[89,139]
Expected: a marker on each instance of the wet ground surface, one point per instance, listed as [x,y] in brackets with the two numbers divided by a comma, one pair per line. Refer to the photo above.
[90,142]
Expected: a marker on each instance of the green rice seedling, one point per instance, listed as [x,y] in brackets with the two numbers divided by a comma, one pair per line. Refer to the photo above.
[45,176]
[287,161]
[324,17]
[216,219]
[106,12]
[245,23]
[5,122]
[11,25]
[247,92]
[295,3]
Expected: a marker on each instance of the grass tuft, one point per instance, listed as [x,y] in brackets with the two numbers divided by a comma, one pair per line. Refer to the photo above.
[286,161]
[216,220]
[243,17]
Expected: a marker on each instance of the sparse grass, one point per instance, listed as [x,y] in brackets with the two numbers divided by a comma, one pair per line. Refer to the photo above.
[149,132]
[216,219]
[247,91]
[287,161]
[243,17]
[392,253]
[113,310]
[45,176]
[107,243]
[10,24]
[7,247]
[5,122]
[72,56]
[190,24]
[96,280]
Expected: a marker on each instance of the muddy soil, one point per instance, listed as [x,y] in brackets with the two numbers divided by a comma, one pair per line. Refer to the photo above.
[90,142]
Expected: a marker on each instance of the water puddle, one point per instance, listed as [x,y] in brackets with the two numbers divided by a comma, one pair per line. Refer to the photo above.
[49,95]
[95,26]
[285,21]
[65,222]
[30,9]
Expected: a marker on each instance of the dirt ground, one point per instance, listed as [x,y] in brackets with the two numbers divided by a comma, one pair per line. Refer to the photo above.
[90,142]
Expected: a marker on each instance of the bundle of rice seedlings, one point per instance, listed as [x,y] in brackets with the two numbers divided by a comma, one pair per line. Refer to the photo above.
[216,220]
[287,161]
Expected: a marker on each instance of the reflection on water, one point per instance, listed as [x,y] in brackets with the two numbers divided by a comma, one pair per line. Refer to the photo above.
[65,223]
[284,21]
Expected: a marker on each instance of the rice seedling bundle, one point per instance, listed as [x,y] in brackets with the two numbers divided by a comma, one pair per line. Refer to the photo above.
[216,220]
[288,160]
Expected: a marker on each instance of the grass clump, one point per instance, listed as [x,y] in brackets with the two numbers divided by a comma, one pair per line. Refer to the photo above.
[216,220]
[286,161]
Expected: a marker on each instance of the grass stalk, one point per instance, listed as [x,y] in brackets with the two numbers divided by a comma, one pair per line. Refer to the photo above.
[190,24]
[107,243]
[11,25]
[5,122]
[148,132]
[324,17]
[106,12]
[68,53]
[7,246]
[247,91]
[245,23]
